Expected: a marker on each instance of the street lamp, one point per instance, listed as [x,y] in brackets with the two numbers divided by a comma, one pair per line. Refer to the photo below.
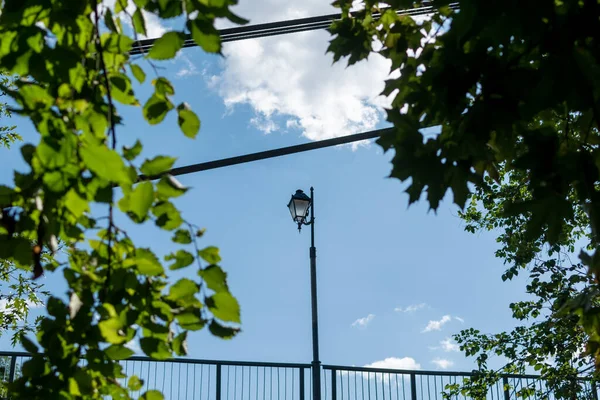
[300,205]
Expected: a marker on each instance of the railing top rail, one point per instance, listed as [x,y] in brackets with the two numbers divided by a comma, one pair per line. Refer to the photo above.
[225,362]
[14,353]
[422,372]
[190,361]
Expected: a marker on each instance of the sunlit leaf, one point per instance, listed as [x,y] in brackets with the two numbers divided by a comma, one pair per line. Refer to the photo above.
[183,288]
[157,165]
[130,153]
[188,121]
[215,278]
[225,307]
[156,109]
[166,46]
[155,348]
[205,35]
[182,236]
[118,352]
[181,259]
[210,254]
[138,72]
[180,344]
[135,383]
[152,395]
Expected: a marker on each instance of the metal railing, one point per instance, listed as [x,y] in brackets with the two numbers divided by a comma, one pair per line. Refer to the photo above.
[189,379]
[359,383]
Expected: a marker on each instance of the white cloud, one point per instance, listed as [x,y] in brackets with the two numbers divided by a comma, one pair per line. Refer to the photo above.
[411,309]
[449,345]
[188,69]
[437,325]
[459,319]
[363,322]
[395,363]
[442,363]
[290,78]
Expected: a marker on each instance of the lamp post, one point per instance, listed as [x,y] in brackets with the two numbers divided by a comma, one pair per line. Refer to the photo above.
[300,205]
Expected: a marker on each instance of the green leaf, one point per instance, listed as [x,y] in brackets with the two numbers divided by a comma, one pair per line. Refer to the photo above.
[118,352]
[156,109]
[190,320]
[6,194]
[180,344]
[215,278]
[168,217]
[116,43]
[120,5]
[105,163]
[138,72]
[210,255]
[221,331]
[146,262]
[140,199]
[111,330]
[163,87]
[169,187]
[182,236]
[157,165]
[139,22]
[188,121]
[155,348]
[182,259]
[205,35]
[130,153]
[225,307]
[152,395]
[35,96]
[121,89]
[183,288]
[28,345]
[135,383]
[75,204]
[167,46]
[109,21]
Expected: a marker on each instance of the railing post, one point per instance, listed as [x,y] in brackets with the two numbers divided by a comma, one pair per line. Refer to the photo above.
[301,383]
[413,386]
[219,382]
[333,384]
[594,391]
[13,367]
[506,388]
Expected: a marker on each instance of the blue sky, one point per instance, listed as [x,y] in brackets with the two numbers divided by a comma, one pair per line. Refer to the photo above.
[376,257]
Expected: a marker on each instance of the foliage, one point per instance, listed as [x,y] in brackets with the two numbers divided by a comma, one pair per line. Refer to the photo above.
[547,339]
[515,88]
[72,57]
[19,295]
[8,134]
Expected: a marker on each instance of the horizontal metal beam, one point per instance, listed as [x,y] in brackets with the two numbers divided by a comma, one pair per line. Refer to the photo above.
[421,372]
[277,28]
[226,162]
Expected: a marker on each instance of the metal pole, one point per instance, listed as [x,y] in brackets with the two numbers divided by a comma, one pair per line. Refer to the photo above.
[316,364]
[506,388]
[13,367]
[301,383]
[413,386]
[334,384]
[218,397]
